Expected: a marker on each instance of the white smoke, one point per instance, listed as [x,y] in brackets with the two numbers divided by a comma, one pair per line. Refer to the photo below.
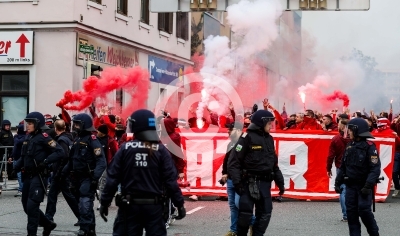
[254,23]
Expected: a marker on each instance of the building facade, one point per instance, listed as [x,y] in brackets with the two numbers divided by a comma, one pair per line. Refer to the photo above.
[42,55]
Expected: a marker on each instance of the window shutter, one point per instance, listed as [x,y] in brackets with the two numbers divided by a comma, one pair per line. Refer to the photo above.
[178,24]
[185,26]
[161,21]
[170,22]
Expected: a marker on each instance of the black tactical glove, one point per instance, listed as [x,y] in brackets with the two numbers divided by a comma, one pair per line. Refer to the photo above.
[367,189]
[94,184]
[239,189]
[181,213]
[281,189]
[104,212]
[337,188]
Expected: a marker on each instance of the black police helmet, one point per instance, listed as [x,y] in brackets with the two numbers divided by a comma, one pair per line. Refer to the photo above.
[84,121]
[4,123]
[143,124]
[360,128]
[261,118]
[37,119]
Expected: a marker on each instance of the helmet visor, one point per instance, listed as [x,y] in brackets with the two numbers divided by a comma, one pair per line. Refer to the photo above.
[30,121]
[353,128]
[129,124]
[76,126]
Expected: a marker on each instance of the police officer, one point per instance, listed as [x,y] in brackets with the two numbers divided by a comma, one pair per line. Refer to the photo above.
[87,163]
[6,139]
[58,184]
[359,171]
[143,166]
[252,165]
[38,150]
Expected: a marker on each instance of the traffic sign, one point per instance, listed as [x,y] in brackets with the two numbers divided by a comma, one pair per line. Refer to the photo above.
[16,47]
[288,5]
[87,49]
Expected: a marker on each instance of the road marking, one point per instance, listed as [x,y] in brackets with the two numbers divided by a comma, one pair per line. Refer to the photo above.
[194,210]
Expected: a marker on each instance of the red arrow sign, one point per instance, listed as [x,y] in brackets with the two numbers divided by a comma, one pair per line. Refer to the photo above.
[22,40]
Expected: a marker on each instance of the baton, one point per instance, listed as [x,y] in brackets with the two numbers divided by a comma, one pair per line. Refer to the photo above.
[41,179]
[374,191]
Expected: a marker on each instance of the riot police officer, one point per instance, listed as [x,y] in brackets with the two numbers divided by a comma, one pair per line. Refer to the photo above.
[38,150]
[87,162]
[143,166]
[65,140]
[252,165]
[359,171]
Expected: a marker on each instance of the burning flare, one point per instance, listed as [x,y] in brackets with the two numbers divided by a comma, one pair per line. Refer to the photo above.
[303,97]
[199,123]
[391,101]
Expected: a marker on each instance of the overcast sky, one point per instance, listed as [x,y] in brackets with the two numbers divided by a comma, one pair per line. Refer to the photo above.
[375,32]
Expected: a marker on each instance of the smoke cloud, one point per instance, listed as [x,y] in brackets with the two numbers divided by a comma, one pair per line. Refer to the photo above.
[254,27]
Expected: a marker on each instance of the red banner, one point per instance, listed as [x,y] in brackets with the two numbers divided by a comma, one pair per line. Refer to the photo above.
[302,160]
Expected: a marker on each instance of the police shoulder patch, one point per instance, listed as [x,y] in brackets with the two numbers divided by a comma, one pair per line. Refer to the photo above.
[97,151]
[52,143]
[374,159]
[94,137]
[45,135]
[239,148]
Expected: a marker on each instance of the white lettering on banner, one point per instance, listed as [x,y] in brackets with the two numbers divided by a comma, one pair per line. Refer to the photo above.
[220,149]
[385,154]
[199,155]
[295,172]
[332,179]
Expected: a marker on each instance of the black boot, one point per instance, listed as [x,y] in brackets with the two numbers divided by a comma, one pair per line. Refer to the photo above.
[47,229]
[91,232]
[81,233]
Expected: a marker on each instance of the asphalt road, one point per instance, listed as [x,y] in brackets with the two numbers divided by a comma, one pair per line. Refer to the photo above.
[210,217]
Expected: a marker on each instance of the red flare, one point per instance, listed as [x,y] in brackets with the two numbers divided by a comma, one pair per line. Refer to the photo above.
[339,95]
[134,81]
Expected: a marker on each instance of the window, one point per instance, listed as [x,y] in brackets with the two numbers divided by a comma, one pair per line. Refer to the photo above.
[97,1]
[144,12]
[122,7]
[182,25]
[14,94]
[165,21]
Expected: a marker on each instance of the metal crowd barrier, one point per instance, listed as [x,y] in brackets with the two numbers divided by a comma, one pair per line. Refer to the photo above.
[3,168]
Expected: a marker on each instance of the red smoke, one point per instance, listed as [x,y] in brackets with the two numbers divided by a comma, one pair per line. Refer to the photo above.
[134,81]
[339,95]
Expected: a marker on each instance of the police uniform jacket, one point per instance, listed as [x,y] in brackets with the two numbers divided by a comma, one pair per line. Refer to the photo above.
[65,141]
[255,153]
[360,163]
[143,170]
[6,138]
[86,157]
[38,147]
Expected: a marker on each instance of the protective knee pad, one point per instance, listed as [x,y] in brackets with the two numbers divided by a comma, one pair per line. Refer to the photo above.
[244,219]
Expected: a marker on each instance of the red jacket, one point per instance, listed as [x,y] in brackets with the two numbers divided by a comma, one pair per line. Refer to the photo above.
[309,124]
[112,149]
[336,151]
[173,144]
